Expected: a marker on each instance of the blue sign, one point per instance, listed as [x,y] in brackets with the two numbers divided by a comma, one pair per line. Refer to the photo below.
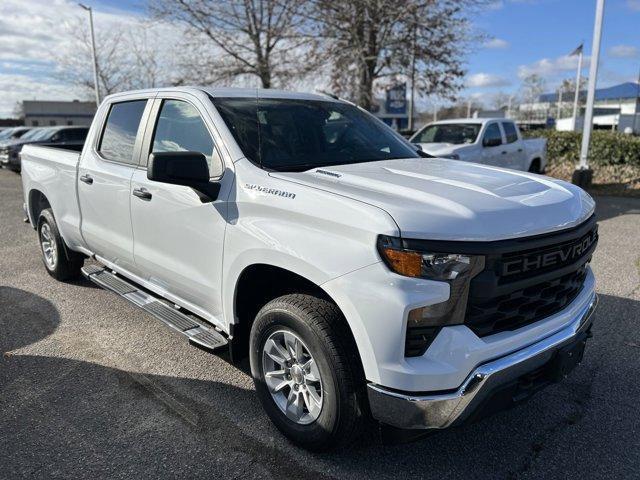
[397,99]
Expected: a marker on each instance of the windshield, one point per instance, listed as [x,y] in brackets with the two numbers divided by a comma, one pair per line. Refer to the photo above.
[12,133]
[4,134]
[36,134]
[455,133]
[296,135]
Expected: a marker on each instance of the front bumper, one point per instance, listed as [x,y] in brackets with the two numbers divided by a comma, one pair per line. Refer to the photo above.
[444,409]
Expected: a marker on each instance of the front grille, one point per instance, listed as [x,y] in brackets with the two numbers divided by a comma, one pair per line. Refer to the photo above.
[524,306]
[527,280]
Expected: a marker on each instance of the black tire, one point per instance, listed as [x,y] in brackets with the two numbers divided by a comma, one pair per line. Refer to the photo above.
[65,264]
[321,326]
[535,166]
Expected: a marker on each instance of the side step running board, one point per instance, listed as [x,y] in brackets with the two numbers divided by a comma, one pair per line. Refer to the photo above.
[195,329]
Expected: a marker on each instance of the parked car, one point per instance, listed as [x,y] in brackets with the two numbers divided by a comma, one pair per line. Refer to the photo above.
[11,134]
[358,277]
[490,141]
[68,136]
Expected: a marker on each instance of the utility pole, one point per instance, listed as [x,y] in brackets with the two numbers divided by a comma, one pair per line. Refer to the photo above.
[468,108]
[583,175]
[93,52]
[576,98]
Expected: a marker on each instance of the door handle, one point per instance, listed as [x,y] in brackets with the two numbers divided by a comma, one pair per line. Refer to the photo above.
[86,178]
[142,193]
[520,150]
[504,152]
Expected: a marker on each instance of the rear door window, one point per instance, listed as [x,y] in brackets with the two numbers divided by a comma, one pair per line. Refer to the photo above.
[120,130]
[510,132]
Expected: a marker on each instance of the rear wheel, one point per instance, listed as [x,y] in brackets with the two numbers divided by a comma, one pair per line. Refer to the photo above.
[307,372]
[535,166]
[61,263]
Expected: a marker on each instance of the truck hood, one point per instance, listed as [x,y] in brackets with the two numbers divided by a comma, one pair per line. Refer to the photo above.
[451,200]
[437,149]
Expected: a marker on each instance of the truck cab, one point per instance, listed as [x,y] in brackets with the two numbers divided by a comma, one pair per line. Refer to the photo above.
[490,141]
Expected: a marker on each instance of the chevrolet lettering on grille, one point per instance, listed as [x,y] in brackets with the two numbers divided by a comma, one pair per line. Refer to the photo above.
[563,255]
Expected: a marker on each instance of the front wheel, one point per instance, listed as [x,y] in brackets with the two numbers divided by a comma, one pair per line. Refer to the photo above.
[307,372]
[61,264]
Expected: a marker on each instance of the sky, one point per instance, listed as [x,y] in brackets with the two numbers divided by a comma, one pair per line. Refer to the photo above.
[523,37]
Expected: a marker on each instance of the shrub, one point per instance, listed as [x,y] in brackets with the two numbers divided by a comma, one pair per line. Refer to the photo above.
[607,148]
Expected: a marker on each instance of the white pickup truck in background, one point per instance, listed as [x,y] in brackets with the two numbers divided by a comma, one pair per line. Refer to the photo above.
[359,277]
[490,141]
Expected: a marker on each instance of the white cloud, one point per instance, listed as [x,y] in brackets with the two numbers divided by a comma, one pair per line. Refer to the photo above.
[486,80]
[496,43]
[549,68]
[499,4]
[34,33]
[634,5]
[17,87]
[623,51]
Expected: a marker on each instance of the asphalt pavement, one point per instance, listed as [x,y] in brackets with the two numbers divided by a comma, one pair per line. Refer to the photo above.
[92,387]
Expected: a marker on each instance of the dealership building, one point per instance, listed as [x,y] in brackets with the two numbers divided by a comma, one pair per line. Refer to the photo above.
[615,108]
[38,113]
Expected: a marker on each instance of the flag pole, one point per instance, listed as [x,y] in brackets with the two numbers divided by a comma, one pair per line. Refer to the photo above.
[583,175]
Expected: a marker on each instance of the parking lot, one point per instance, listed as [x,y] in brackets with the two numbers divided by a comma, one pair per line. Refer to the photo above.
[91,387]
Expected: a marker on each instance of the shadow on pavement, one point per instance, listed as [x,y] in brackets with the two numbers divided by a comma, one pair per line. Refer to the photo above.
[71,418]
[611,207]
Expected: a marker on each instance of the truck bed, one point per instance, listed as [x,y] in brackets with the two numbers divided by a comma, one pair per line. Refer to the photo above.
[54,170]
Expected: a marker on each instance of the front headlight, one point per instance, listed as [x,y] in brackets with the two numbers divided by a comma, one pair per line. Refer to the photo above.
[432,265]
[456,269]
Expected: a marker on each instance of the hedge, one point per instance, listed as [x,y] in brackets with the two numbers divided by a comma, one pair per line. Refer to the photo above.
[607,148]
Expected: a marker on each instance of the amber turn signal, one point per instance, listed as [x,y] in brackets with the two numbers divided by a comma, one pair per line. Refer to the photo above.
[404,262]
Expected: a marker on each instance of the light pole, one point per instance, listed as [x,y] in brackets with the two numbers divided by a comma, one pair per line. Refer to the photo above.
[93,52]
[576,98]
[583,175]
[559,114]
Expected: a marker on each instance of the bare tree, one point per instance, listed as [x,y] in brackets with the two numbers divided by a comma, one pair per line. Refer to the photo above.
[368,41]
[500,100]
[253,38]
[18,110]
[127,59]
[532,86]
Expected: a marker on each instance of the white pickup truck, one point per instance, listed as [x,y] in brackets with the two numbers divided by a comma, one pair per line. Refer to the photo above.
[361,279]
[490,141]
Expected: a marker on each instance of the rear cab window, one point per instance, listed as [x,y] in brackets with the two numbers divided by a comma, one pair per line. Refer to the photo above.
[120,131]
[510,132]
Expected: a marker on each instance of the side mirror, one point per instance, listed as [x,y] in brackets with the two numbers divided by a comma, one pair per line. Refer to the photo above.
[189,169]
[491,142]
[417,146]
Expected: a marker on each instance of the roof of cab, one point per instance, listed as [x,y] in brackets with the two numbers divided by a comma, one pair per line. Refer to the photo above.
[233,92]
[479,121]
